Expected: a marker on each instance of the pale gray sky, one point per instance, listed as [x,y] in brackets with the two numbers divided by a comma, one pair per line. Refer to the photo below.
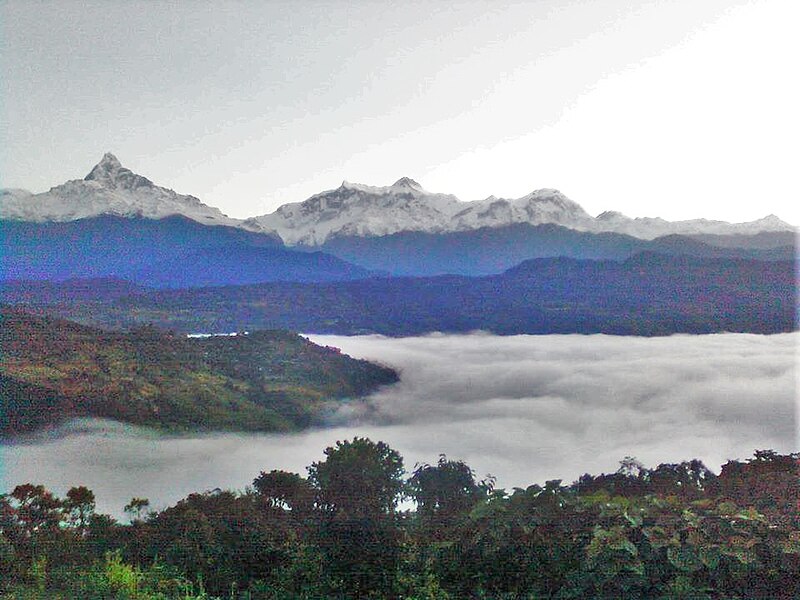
[674,108]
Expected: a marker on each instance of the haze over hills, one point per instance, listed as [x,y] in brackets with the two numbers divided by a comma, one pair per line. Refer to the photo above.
[648,294]
[167,252]
[351,210]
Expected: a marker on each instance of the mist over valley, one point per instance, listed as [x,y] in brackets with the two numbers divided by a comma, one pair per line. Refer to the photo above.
[521,408]
[540,342]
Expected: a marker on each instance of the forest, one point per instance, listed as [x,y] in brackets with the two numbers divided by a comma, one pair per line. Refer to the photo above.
[54,370]
[360,525]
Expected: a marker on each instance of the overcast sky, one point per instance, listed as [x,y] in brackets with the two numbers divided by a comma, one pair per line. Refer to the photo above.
[673,108]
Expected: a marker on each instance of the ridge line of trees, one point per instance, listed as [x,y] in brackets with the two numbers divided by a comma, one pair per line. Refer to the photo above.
[674,531]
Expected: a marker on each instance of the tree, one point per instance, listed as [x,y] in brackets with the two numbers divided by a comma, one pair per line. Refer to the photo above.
[223,537]
[135,509]
[37,509]
[281,489]
[79,507]
[446,489]
[769,481]
[358,479]
[689,479]
[358,487]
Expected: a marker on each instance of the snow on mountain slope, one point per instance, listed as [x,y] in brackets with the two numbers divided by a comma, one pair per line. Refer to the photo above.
[360,210]
[652,227]
[541,206]
[350,210]
[109,189]
[14,195]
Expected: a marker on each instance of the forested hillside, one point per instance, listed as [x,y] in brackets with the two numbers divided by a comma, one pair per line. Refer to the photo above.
[52,370]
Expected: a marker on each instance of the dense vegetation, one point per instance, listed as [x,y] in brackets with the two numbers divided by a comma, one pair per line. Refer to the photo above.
[648,294]
[51,370]
[677,531]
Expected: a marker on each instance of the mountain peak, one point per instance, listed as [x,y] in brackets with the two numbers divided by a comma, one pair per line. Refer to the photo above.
[407,182]
[610,215]
[110,160]
[544,193]
[110,173]
[772,219]
[108,189]
[108,168]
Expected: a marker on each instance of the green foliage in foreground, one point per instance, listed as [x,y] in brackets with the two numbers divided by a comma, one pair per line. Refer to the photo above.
[107,578]
[677,531]
[53,370]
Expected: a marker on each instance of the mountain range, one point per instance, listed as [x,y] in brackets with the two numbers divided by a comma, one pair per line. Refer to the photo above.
[492,250]
[396,260]
[117,224]
[351,210]
[355,210]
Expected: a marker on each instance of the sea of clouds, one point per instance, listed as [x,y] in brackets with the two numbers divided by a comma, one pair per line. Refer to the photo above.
[521,408]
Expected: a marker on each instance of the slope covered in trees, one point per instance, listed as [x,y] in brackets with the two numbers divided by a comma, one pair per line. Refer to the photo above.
[676,531]
[52,370]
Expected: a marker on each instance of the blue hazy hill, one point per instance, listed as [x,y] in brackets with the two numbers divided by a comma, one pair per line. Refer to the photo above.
[170,252]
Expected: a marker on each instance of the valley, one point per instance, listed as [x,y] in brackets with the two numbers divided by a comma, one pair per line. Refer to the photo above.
[399,300]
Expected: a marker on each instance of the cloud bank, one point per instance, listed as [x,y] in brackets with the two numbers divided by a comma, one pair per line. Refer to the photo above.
[521,408]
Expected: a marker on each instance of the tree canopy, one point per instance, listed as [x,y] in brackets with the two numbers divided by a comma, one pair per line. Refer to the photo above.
[674,531]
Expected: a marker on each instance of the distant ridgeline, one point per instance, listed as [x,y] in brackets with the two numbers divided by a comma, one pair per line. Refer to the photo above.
[648,294]
[396,259]
[52,370]
[177,252]
[171,252]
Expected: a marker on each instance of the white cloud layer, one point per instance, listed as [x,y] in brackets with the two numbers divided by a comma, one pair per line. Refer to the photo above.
[522,408]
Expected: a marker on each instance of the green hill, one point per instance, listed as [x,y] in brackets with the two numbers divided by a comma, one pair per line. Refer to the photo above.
[52,370]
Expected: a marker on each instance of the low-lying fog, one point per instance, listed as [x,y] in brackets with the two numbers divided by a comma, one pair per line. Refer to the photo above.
[522,408]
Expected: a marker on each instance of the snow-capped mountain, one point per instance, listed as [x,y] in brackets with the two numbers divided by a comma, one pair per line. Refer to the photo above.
[108,189]
[364,211]
[652,227]
[360,210]
[537,208]
[353,209]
